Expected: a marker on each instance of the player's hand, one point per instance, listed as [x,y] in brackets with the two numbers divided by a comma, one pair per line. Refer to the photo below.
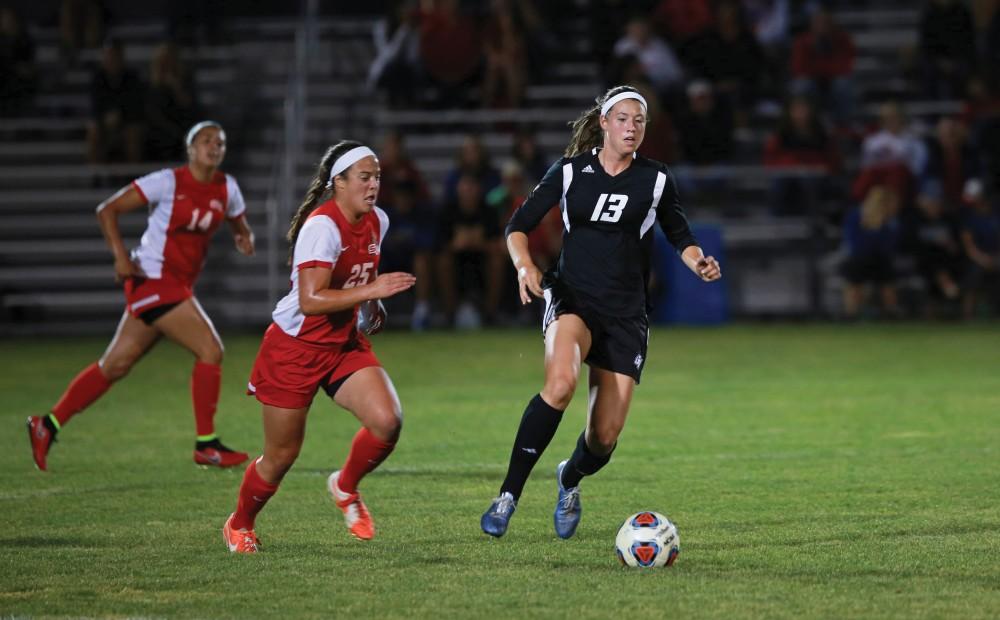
[529,279]
[708,269]
[388,284]
[125,269]
[244,243]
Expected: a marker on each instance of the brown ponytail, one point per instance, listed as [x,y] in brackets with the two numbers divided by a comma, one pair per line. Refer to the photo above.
[587,132]
[317,188]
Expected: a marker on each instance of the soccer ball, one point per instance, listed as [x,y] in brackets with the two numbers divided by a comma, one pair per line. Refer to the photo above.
[646,540]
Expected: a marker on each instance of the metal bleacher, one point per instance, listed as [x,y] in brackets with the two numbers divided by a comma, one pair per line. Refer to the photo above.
[55,272]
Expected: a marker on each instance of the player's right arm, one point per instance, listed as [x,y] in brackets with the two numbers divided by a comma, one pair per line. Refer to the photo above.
[539,202]
[316,296]
[124,200]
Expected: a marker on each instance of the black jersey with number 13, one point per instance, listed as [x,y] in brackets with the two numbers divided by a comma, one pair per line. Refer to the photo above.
[607,227]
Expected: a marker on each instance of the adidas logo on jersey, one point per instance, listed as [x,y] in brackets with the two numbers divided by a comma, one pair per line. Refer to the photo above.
[588,169]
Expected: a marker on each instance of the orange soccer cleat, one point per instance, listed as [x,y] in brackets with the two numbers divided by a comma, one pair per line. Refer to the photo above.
[359,521]
[239,541]
[215,454]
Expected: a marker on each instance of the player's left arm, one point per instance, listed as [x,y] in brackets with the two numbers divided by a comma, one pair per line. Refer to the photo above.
[242,235]
[675,225]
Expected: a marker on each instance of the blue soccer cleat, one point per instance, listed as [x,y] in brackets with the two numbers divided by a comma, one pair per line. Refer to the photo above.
[568,509]
[497,516]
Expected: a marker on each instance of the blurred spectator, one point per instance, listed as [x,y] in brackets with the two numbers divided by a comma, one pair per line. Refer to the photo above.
[871,237]
[769,21]
[706,127]
[196,22]
[397,56]
[894,155]
[801,140]
[115,127]
[81,26]
[409,246]
[661,138]
[451,50]
[929,233]
[948,48]
[506,58]
[660,64]
[951,159]
[683,20]
[526,152]
[473,160]
[981,112]
[18,77]
[822,62]
[470,261]
[170,105]
[991,46]
[980,236]
[397,167]
[728,54]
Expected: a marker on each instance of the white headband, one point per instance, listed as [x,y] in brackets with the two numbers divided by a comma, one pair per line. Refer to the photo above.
[628,94]
[194,130]
[347,160]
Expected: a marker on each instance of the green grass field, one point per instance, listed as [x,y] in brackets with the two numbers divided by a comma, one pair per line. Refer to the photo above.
[813,471]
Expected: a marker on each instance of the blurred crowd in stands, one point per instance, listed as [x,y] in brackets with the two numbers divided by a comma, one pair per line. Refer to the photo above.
[915,198]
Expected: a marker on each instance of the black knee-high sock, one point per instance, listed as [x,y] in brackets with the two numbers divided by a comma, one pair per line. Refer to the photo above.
[583,463]
[538,425]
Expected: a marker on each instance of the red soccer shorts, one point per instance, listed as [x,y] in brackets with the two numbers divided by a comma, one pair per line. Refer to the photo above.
[288,372]
[142,294]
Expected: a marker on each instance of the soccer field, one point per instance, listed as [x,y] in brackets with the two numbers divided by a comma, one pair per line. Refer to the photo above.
[813,471]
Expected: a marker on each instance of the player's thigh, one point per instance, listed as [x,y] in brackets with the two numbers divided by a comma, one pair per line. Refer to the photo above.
[131,341]
[188,325]
[371,397]
[567,343]
[610,398]
[284,432]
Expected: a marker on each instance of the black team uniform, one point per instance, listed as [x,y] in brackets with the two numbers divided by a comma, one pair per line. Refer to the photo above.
[601,276]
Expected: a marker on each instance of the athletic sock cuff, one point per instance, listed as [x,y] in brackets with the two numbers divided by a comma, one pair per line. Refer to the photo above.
[540,405]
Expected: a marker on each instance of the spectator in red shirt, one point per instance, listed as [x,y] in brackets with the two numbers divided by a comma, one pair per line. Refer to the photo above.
[451,49]
[801,140]
[822,62]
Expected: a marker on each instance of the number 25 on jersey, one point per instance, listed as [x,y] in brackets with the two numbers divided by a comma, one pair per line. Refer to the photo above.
[359,275]
[609,208]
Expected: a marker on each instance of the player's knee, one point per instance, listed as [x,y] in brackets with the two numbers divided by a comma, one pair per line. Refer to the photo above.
[603,439]
[211,353]
[387,424]
[281,459]
[115,368]
[559,389]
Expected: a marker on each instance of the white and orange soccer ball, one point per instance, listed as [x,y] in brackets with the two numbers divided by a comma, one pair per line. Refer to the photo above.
[647,540]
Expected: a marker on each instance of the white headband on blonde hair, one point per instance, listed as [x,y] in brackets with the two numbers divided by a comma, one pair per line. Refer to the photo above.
[198,127]
[628,94]
[347,160]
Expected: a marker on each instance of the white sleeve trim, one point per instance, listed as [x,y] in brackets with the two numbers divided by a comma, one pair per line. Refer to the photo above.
[319,240]
[383,225]
[235,206]
[661,181]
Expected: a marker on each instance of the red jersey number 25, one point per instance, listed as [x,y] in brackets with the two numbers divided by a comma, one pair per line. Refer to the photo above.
[359,275]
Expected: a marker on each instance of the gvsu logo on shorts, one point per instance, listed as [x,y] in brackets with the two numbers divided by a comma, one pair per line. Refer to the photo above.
[638,361]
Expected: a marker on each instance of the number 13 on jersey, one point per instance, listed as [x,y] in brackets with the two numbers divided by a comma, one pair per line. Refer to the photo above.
[615,203]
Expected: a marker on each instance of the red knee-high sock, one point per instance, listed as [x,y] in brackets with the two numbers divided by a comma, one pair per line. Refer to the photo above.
[84,389]
[367,453]
[205,382]
[254,493]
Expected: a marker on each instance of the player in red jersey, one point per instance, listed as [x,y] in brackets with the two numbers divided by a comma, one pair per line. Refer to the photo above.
[316,342]
[186,206]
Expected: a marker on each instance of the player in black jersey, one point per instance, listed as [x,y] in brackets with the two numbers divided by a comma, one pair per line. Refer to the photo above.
[595,297]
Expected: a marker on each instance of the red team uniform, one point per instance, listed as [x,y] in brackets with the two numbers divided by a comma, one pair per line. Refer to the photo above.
[299,353]
[184,214]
